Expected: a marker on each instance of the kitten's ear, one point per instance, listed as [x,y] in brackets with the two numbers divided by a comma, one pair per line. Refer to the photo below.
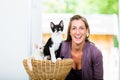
[61,23]
[52,24]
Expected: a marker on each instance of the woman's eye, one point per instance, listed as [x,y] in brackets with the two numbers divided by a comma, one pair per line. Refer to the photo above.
[73,28]
[82,28]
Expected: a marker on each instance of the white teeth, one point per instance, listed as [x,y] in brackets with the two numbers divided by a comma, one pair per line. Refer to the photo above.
[78,37]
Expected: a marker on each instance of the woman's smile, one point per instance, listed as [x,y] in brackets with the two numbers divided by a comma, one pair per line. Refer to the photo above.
[78,31]
[77,37]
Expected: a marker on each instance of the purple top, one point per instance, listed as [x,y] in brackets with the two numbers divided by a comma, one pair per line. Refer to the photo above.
[92,60]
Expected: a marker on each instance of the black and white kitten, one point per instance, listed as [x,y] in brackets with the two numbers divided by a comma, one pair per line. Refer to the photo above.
[53,45]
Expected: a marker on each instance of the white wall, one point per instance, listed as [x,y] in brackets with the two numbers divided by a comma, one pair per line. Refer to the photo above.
[36,22]
[16,20]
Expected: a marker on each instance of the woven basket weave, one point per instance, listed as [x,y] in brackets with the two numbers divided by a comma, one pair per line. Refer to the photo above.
[47,70]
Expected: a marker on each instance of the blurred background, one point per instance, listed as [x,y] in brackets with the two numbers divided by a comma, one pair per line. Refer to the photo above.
[26,22]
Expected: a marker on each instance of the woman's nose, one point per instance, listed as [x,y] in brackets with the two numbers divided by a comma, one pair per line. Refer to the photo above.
[77,31]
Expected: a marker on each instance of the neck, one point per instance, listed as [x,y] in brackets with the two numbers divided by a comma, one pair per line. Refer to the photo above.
[77,47]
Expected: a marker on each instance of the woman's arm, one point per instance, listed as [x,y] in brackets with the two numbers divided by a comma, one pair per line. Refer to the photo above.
[97,61]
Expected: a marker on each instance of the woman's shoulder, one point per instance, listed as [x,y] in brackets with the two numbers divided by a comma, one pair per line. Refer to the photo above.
[92,45]
[93,48]
[95,53]
[65,43]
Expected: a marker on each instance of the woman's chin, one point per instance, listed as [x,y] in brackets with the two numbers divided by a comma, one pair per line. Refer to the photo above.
[78,42]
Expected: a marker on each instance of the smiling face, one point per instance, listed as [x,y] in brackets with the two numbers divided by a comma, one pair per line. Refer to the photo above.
[78,31]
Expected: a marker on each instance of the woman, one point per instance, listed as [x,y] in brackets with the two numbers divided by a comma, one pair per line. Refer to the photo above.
[88,64]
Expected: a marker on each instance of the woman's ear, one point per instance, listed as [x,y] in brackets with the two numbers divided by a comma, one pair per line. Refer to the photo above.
[87,33]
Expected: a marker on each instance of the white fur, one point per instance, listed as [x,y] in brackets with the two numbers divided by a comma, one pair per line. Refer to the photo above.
[38,55]
[53,58]
[57,39]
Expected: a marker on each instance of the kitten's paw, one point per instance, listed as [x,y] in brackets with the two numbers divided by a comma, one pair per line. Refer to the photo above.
[45,58]
[59,59]
[54,60]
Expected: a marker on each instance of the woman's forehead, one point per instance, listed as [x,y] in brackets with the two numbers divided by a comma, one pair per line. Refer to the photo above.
[77,23]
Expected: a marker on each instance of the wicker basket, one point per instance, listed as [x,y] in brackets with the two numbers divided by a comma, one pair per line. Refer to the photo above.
[47,70]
